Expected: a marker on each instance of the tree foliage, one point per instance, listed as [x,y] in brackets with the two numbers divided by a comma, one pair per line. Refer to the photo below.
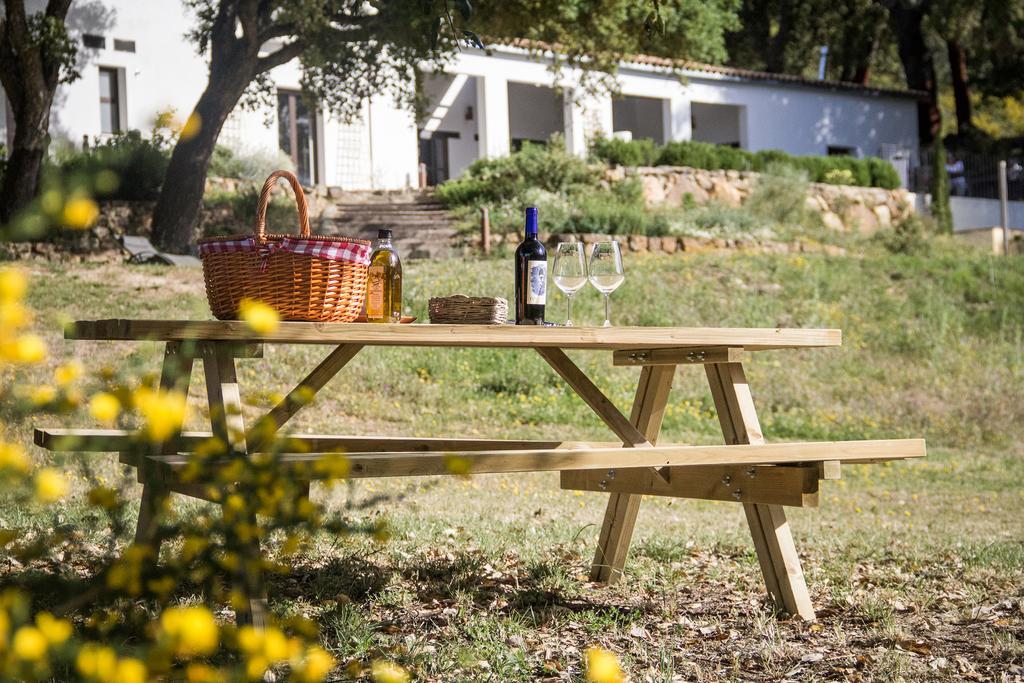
[350,51]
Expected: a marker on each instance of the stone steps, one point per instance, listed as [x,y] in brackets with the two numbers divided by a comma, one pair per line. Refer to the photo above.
[421,227]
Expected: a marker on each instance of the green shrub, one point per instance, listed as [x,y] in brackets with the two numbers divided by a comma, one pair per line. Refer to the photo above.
[227,163]
[717,220]
[547,167]
[139,164]
[911,236]
[837,170]
[883,174]
[764,158]
[615,152]
[608,213]
[689,153]
[839,176]
[780,197]
[239,213]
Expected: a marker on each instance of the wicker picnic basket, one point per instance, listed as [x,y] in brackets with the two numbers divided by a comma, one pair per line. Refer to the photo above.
[306,277]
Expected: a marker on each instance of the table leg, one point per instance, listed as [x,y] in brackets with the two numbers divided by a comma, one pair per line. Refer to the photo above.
[228,425]
[639,431]
[620,516]
[773,540]
[176,375]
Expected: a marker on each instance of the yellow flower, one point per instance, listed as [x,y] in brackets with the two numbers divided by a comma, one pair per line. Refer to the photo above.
[164,412]
[130,670]
[315,666]
[104,407]
[79,213]
[29,644]
[55,630]
[388,672]
[13,285]
[13,315]
[12,457]
[96,662]
[42,394]
[67,373]
[50,485]
[201,673]
[261,318]
[603,667]
[28,348]
[191,630]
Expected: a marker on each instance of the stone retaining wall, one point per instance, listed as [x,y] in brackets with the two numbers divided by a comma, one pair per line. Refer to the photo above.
[667,244]
[843,208]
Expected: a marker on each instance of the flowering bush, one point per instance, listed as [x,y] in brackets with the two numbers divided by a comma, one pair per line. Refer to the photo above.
[128,624]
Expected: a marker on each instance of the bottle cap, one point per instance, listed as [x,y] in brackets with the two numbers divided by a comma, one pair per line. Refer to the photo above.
[531,220]
[383,234]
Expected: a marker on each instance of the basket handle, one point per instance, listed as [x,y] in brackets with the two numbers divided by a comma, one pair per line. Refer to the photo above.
[300,203]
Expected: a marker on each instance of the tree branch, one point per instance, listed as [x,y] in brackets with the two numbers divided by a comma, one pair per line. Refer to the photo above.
[57,9]
[286,54]
[248,15]
[277,31]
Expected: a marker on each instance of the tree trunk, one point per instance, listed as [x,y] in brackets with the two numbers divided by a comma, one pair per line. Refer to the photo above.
[25,163]
[961,86]
[29,73]
[918,66]
[176,214]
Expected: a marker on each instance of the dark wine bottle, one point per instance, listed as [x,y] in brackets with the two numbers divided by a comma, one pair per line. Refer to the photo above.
[531,274]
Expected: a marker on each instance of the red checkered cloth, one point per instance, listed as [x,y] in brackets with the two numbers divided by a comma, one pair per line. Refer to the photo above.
[329,249]
[332,250]
[226,246]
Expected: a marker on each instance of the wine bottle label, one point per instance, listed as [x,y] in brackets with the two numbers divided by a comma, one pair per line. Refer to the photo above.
[375,292]
[537,292]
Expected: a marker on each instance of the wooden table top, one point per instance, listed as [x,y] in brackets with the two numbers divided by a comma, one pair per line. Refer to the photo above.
[505,336]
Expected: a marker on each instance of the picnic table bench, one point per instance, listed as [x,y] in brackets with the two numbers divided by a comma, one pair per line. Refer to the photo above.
[762,477]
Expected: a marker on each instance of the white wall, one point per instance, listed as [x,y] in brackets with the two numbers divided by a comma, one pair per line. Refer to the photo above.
[796,118]
[165,73]
[449,99]
[972,212]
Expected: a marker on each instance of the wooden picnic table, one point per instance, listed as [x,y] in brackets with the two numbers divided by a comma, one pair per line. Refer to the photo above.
[762,477]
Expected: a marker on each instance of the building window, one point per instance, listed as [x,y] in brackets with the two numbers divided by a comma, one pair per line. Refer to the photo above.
[124,45]
[110,101]
[296,134]
[94,41]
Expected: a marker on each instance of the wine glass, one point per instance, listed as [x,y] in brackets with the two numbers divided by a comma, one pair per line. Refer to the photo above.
[570,273]
[606,273]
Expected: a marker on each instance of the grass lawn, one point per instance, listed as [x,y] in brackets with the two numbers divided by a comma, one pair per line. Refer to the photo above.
[916,569]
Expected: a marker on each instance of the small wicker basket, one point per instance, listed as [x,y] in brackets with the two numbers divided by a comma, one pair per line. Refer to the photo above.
[306,277]
[460,309]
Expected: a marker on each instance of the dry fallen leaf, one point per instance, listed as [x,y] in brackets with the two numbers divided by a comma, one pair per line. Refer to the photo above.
[915,645]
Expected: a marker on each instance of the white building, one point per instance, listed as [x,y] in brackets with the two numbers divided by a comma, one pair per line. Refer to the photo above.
[135,63]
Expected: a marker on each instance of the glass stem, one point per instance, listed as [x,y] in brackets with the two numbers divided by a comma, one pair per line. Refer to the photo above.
[568,311]
[607,310]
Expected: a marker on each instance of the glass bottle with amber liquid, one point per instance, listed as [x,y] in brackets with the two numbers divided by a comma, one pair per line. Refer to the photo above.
[384,282]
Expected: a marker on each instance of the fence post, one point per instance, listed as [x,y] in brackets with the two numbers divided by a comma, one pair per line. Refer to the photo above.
[485,229]
[1004,209]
